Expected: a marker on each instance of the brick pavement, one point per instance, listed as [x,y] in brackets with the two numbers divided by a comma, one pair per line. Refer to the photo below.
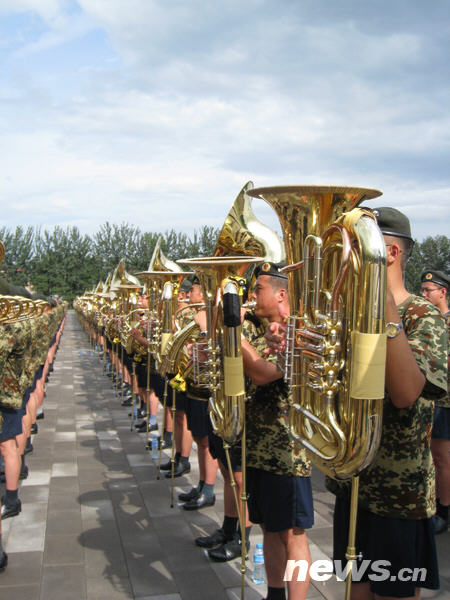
[96,524]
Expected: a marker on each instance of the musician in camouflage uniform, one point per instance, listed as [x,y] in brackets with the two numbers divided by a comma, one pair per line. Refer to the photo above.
[396,492]
[435,288]
[278,472]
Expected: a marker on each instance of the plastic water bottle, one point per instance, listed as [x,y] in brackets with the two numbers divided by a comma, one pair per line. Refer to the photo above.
[258,575]
[155,447]
[134,413]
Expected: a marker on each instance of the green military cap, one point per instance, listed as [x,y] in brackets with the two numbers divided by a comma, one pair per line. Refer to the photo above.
[5,288]
[392,222]
[268,268]
[186,285]
[437,277]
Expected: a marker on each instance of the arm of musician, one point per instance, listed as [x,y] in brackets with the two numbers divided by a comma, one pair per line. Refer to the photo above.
[404,380]
[201,320]
[137,336]
[260,371]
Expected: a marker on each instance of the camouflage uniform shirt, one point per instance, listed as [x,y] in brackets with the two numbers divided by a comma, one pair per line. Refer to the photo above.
[269,445]
[400,482]
[444,402]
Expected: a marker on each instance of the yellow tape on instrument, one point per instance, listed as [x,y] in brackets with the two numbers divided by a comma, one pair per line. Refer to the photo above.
[368,365]
[178,383]
[165,337]
[233,369]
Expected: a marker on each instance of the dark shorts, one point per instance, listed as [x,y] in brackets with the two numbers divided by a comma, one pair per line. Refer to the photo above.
[217,451]
[403,543]
[12,423]
[180,399]
[141,374]
[108,343]
[25,399]
[157,385]
[279,502]
[441,423]
[198,420]
[127,360]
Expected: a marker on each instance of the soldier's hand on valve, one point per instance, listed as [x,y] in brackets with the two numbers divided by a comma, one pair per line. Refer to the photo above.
[275,338]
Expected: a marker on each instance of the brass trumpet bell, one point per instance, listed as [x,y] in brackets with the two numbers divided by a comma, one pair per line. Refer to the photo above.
[335,336]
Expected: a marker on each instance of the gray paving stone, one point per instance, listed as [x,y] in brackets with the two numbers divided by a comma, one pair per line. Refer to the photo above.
[21,563]
[63,581]
[20,592]
[63,550]
[66,521]
[97,524]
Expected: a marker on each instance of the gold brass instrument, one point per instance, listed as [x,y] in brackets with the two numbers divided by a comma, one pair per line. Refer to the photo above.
[242,234]
[222,280]
[336,346]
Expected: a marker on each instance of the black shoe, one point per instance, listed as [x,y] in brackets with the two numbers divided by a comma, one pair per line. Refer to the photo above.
[440,525]
[192,495]
[228,551]
[140,414]
[28,448]
[34,428]
[11,511]
[167,465]
[127,402]
[209,541]
[3,562]
[40,416]
[179,470]
[199,502]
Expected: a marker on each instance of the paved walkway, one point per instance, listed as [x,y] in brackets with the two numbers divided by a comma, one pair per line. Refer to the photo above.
[96,524]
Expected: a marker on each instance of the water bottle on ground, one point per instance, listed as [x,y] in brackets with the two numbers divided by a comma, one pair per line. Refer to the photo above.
[155,447]
[258,575]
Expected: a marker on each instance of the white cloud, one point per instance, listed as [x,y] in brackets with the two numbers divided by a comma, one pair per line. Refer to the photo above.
[181,103]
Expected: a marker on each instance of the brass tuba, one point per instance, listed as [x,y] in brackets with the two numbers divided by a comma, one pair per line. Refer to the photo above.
[222,280]
[336,345]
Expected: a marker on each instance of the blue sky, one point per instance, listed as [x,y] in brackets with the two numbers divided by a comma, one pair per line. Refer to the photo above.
[158,112]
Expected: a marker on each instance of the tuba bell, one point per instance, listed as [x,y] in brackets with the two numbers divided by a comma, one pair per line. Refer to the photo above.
[336,345]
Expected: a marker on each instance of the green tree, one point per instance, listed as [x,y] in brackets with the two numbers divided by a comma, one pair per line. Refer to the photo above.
[64,263]
[19,250]
[114,242]
[432,253]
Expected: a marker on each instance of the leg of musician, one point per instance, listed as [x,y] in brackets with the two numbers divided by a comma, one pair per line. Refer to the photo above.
[440,449]
[183,437]
[279,547]
[208,465]
[231,545]
[10,503]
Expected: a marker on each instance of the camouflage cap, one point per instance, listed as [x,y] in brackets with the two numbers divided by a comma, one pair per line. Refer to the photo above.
[392,222]
[438,277]
[268,268]
[186,285]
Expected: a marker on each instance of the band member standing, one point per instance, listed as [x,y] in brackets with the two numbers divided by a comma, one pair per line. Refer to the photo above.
[396,492]
[278,472]
[435,288]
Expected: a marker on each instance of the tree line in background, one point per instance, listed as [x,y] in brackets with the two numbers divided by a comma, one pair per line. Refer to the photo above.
[66,263]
